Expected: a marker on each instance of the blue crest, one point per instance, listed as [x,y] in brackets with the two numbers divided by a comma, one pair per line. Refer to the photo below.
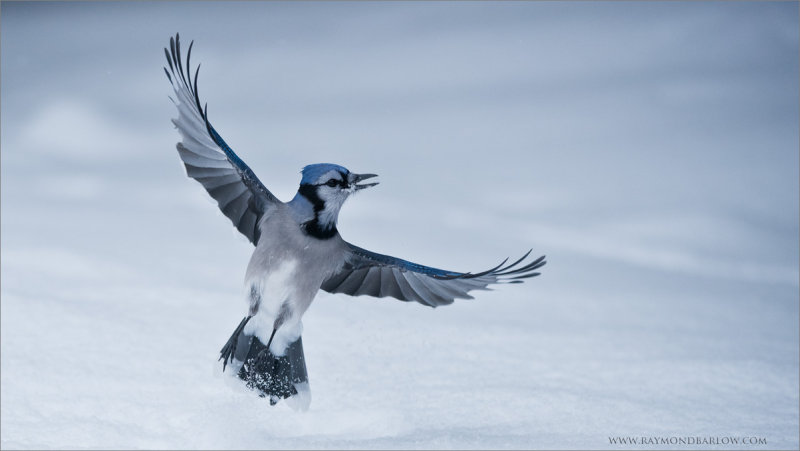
[313,172]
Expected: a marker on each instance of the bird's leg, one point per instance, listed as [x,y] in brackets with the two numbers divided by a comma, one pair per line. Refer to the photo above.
[271,337]
[282,315]
[227,351]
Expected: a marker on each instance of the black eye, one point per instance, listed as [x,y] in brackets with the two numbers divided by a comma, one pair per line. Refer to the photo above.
[332,182]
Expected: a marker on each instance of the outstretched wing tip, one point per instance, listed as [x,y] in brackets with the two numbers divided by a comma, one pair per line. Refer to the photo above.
[207,157]
[505,274]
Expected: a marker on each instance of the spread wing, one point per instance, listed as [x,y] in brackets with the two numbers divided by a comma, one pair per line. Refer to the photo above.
[208,159]
[379,275]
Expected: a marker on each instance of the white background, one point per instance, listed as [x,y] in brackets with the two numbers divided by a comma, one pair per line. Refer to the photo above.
[649,149]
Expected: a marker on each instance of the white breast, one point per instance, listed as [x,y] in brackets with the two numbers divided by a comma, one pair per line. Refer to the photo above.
[276,286]
[277,290]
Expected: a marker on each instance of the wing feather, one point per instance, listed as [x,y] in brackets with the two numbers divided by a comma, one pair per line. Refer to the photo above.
[430,297]
[389,286]
[408,294]
[373,274]
[196,160]
[213,182]
[371,285]
[353,282]
[207,157]
[202,171]
[235,208]
[225,194]
[334,282]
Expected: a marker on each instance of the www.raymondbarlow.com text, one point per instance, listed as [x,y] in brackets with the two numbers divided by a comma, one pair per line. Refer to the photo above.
[629,440]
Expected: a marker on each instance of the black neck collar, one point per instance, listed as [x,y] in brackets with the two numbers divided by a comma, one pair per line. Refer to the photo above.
[313,226]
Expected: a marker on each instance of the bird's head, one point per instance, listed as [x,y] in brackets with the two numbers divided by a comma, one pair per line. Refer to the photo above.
[326,186]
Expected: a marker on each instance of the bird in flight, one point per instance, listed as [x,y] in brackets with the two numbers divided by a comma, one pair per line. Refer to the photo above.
[298,250]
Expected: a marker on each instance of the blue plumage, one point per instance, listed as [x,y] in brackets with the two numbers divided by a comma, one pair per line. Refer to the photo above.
[313,172]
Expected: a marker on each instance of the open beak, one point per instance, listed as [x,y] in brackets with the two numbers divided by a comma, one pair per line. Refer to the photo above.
[359,177]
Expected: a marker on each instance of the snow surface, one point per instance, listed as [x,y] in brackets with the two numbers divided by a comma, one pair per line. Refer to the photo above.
[649,149]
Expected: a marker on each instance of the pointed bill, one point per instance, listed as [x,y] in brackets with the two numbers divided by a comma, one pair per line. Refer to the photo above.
[359,177]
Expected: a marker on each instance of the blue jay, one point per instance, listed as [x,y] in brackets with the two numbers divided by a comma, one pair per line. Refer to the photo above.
[298,250]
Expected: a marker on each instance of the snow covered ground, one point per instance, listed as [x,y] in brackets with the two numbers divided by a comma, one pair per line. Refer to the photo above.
[649,149]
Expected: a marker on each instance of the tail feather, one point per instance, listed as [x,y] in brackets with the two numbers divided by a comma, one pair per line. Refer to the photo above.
[276,377]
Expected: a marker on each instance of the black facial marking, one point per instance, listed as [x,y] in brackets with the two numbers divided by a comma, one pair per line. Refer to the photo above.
[310,192]
[336,182]
[344,180]
[313,227]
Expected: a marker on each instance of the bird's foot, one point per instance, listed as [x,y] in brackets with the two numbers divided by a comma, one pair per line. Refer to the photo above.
[229,350]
